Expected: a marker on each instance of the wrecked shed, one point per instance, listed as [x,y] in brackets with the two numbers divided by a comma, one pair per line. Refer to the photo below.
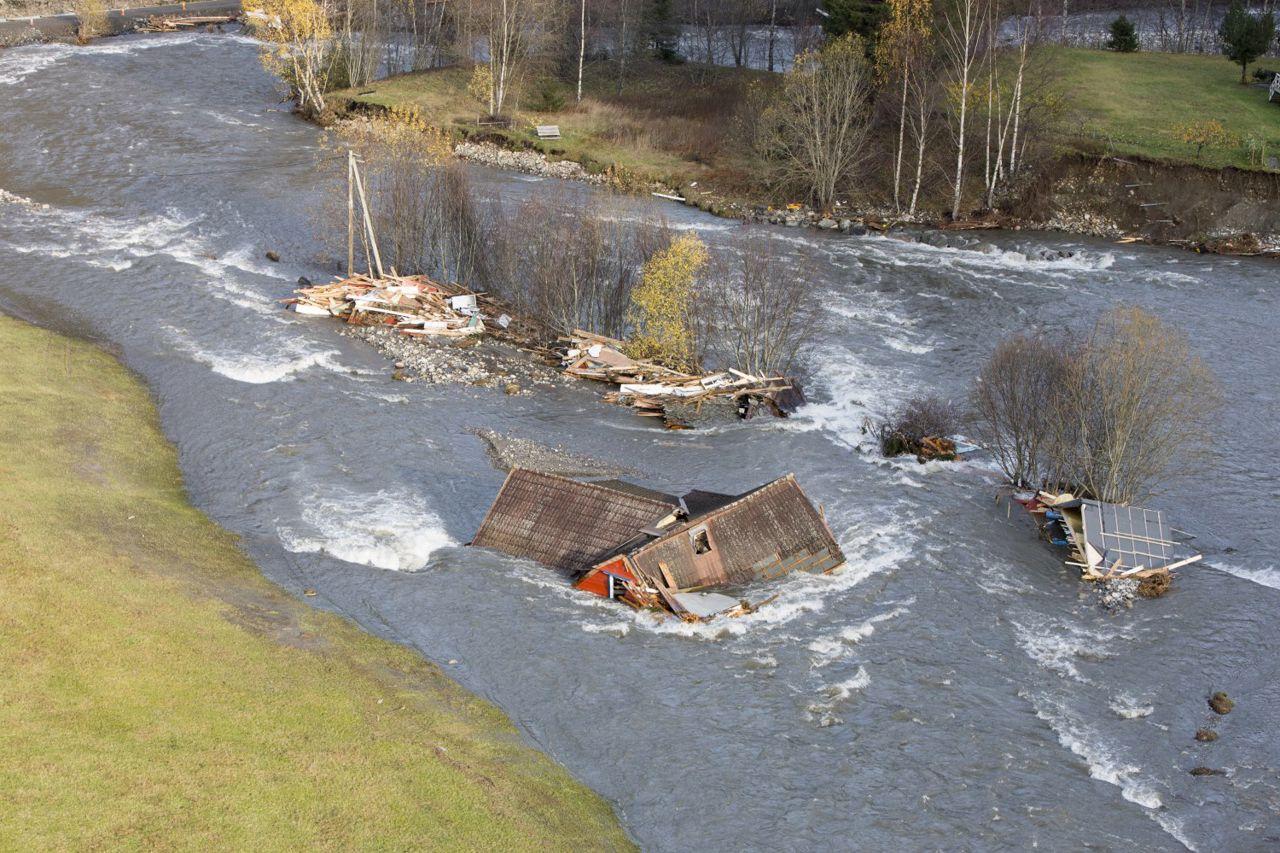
[651,549]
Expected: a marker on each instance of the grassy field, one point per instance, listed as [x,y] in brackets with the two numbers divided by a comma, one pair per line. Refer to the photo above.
[671,123]
[157,692]
[1135,103]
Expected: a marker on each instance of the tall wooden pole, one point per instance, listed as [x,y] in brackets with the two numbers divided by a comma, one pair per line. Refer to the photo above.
[368,224]
[351,214]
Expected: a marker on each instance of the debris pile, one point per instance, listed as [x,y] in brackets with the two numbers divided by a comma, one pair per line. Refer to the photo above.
[412,305]
[682,400]
[169,24]
[417,306]
[1111,543]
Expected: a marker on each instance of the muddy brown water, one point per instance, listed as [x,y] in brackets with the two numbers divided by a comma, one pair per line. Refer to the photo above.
[950,688]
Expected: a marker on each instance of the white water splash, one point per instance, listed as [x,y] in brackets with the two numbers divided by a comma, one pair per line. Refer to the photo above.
[1268,576]
[831,647]
[386,530]
[285,360]
[1098,756]
[1059,646]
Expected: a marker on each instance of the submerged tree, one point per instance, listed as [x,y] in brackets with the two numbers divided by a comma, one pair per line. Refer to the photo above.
[662,330]
[1113,415]
[1245,37]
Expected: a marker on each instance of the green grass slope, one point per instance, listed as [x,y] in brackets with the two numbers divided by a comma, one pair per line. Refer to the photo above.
[157,692]
[1136,103]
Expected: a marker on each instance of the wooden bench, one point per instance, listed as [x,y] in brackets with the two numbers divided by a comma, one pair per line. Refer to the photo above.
[548,131]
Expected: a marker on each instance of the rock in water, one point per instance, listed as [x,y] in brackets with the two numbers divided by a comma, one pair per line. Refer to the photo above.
[1207,771]
[1206,735]
[1221,703]
[273,257]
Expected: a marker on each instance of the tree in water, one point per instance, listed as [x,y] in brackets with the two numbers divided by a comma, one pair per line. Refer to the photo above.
[660,305]
[1245,37]
[1124,36]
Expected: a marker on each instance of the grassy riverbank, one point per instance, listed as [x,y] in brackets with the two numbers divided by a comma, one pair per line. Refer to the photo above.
[1136,103]
[156,691]
[673,124]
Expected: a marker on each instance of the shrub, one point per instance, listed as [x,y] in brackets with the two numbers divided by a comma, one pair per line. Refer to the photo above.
[1124,36]
[1209,133]
[917,426]
[547,96]
[91,19]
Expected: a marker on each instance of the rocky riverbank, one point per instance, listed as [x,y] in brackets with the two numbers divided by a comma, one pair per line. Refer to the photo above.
[484,363]
[1226,211]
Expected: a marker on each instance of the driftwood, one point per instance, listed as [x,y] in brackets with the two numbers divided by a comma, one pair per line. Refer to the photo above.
[679,398]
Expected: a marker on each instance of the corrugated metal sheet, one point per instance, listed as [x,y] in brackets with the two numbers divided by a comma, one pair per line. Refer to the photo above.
[766,533]
[564,523]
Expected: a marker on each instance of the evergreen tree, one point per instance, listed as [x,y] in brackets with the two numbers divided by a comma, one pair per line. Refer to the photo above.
[1245,37]
[1124,36]
[663,34]
[861,17]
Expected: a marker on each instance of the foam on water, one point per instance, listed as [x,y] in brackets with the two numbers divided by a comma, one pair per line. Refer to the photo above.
[1098,756]
[1268,576]
[1127,707]
[831,647]
[19,63]
[283,359]
[1059,646]
[389,529]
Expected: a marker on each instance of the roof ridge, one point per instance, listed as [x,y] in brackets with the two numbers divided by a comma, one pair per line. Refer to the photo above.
[588,484]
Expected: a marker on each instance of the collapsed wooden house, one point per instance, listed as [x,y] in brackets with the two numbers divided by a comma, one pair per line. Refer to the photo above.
[1110,541]
[653,550]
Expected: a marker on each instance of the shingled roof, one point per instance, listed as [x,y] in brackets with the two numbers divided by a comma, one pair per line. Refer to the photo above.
[565,523]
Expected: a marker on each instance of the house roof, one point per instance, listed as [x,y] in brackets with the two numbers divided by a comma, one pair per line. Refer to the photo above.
[565,523]
[641,491]
[767,532]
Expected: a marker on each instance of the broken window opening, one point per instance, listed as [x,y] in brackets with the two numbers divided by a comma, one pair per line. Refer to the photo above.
[701,542]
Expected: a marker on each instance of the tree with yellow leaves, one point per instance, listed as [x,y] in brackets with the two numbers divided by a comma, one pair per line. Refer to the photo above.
[901,49]
[660,305]
[297,38]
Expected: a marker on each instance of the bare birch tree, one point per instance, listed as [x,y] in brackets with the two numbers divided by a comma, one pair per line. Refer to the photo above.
[817,129]
[902,44]
[960,30]
[513,31]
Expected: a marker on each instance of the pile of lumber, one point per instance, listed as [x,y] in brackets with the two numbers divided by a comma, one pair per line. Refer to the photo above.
[168,24]
[678,398]
[412,305]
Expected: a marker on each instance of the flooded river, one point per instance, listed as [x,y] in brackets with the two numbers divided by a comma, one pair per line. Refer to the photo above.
[949,688]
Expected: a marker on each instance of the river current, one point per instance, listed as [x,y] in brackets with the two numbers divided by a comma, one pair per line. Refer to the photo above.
[951,687]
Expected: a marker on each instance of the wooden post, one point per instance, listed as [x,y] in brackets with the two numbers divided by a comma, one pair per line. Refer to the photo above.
[351,214]
[368,222]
